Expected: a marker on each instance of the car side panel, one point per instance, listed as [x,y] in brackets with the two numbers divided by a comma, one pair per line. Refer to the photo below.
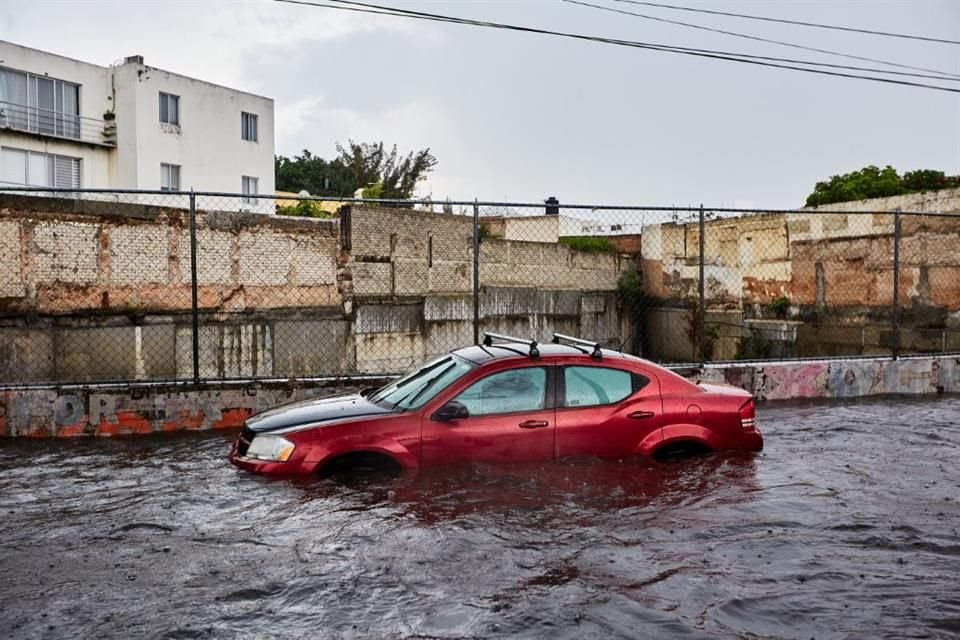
[397,436]
[679,433]
[507,437]
[610,430]
[499,438]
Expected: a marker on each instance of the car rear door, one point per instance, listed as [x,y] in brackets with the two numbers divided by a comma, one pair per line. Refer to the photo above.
[512,419]
[605,410]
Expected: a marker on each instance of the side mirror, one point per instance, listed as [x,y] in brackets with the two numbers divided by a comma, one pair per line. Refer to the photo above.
[453,410]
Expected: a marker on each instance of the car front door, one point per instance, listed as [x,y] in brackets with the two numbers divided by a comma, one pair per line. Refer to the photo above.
[604,410]
[510,419]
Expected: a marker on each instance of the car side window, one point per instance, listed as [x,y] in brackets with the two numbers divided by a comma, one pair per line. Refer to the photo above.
[594,386]
[506,392]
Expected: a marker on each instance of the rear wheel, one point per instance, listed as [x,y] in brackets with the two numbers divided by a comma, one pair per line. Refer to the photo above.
[361,465]
[675,451]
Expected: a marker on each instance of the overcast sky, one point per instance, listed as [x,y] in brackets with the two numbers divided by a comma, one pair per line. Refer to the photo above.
[521,117]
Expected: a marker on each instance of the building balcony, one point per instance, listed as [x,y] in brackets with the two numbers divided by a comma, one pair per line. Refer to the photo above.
[56,125]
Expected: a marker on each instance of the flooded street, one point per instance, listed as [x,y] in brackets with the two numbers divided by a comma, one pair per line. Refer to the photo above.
[846,526]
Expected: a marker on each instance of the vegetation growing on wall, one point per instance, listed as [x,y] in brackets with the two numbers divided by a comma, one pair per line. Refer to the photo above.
[589,244]
[779,306]
[304,209]
[872,182]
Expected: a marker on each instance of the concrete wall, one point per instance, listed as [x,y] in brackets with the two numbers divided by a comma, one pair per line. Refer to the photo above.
[101,291]
[125,410]
[835,270]
[411,275]
[107,296]
[840,378]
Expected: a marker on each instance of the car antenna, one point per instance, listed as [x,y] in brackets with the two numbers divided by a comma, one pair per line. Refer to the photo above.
[489,337]
[559,338]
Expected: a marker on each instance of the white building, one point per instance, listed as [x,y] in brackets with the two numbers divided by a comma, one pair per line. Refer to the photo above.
[71,124]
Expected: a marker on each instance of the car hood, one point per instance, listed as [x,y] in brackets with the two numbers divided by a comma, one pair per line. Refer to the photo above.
[310,412]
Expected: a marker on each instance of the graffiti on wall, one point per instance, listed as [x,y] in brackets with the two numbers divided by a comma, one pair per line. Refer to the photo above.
[53,413]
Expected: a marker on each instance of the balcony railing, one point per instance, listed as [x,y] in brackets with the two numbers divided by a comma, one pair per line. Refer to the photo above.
[56,124]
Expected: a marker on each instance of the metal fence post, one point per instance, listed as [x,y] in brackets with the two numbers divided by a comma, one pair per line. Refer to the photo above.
[895,316]
[476,272]
[702,320]
[194,307]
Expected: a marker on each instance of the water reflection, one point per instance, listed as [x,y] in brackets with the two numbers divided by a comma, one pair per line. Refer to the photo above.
[845,526]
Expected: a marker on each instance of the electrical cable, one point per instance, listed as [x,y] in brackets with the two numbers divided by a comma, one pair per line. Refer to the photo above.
[362,7]
[795,22]
[761,39]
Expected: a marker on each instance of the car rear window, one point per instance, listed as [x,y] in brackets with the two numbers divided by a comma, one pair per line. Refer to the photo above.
[594,386]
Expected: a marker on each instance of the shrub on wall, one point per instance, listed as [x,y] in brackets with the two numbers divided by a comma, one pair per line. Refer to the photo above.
[304,209]
[589,244]
[873,182]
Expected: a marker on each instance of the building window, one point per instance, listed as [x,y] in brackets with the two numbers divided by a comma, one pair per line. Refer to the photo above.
[249,186]
[169,108]
[169,177]
[39,104]
[248,126]
[33,169]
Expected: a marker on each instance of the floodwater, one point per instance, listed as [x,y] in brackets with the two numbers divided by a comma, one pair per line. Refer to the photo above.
[846,526]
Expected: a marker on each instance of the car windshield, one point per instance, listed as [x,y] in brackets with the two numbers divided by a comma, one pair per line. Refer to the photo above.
[420,385]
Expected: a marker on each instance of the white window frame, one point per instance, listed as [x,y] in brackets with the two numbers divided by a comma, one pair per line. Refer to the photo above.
[167,173]
[166,100]
[249,126]
[246,182]
[30,116]
[51,162]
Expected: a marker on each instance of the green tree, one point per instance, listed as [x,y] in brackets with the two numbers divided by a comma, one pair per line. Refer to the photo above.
[929,180]
[368,166]
[307,172]
[873,182]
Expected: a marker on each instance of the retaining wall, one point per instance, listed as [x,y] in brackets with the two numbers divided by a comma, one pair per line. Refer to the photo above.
[158,408]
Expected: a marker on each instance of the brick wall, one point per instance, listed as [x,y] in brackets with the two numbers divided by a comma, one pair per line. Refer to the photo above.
[835,269]
[401,252]
[94,291]
[56,259]
[411,276]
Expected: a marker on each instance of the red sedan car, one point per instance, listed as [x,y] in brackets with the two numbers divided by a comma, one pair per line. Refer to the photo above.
[509,401]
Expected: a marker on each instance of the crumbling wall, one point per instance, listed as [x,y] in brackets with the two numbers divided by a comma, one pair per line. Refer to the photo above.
[822,281]
[411,275]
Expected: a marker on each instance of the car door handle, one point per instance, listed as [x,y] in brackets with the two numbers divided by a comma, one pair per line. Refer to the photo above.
[534,424]
[641,415]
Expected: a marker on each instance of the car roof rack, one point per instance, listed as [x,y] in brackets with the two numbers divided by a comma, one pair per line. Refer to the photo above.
[488,339]
[597,354]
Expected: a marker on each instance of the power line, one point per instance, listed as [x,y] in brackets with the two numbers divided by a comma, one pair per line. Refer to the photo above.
[760,39]
[796,22]
[362,7]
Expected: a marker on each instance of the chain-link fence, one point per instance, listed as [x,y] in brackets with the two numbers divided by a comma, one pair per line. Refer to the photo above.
[100,286]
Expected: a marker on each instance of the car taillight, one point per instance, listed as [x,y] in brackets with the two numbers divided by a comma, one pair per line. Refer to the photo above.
[748,416]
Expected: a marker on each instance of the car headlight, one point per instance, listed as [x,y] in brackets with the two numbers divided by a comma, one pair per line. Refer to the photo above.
[272,448]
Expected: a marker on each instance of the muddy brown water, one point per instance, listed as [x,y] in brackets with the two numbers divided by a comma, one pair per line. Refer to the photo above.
[846,526]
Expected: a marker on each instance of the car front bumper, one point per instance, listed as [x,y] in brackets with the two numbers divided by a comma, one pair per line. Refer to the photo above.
[265,467]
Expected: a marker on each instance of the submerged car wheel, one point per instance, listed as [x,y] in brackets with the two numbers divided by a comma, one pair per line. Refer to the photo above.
[675,451]
[361,465]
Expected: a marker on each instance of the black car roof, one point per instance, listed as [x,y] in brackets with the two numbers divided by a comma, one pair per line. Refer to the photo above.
[479,354]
